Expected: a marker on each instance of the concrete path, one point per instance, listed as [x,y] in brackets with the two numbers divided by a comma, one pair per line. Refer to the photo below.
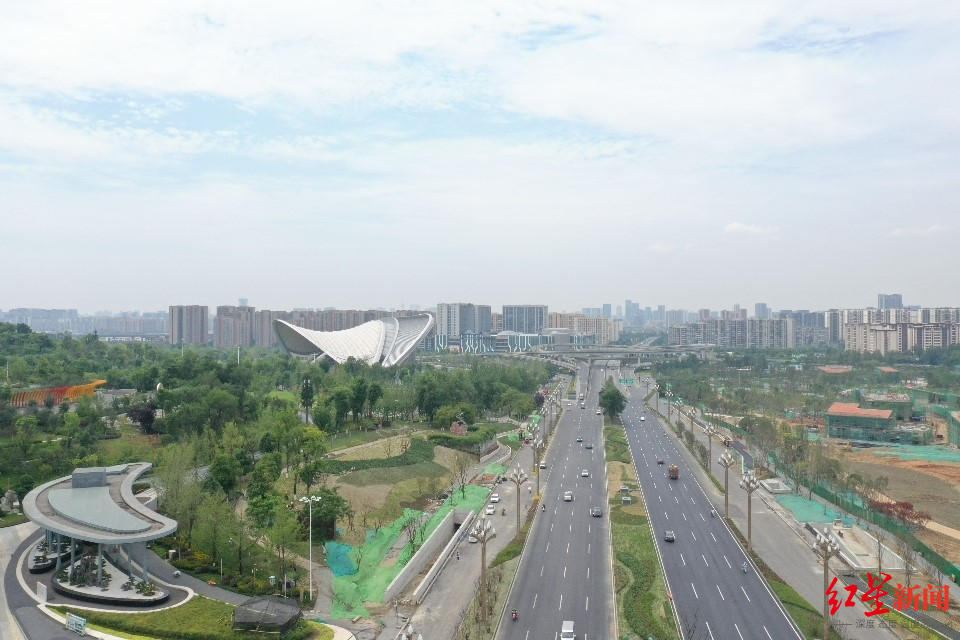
[10,539]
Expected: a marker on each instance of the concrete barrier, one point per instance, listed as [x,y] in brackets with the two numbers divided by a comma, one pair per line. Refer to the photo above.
[436,541]
[424,587]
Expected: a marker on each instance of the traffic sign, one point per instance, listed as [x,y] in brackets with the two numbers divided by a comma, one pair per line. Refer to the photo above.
[628,380]
[76,624]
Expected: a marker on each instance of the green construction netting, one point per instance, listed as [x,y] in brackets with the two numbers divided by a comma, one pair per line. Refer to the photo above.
[810,511]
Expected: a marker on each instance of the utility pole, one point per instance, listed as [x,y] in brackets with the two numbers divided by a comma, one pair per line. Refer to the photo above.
[749,483]
[726,461]
[827,547]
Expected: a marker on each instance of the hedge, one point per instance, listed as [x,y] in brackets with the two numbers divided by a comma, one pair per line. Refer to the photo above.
[470,443]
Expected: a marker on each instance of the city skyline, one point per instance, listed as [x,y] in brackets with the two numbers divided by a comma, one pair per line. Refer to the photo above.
[345,154]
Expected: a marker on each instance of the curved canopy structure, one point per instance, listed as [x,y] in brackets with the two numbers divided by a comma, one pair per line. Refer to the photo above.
[388,341]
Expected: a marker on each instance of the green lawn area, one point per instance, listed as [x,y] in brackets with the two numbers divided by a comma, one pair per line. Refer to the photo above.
[393,475]
[644,610]
[357,437]
[11,519]
[131,445]
[616,444]
[198,619]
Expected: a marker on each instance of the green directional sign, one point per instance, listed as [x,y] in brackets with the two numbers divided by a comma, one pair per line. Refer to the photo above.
[628,380]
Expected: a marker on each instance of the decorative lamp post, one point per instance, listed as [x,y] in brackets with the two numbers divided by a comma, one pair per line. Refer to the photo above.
[711,431]
[518,477]
[483,531]
[827,546]
[726,461]
[537,446]
[309,500]
[749,483]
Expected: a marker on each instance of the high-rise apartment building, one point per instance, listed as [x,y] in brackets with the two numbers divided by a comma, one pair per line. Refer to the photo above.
[456,319]
[188,324]
[525,318]
[264,333]
[889,301]
[233,326]
[496,322]
[761,311]
[607,311]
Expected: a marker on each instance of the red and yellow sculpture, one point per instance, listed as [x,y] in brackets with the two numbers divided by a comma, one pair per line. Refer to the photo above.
[59,394]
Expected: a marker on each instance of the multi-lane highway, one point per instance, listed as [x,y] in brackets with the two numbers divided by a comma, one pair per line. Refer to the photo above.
[565,572]
[715,598]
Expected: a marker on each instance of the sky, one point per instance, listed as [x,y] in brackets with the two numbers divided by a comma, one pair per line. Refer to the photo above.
[358,155]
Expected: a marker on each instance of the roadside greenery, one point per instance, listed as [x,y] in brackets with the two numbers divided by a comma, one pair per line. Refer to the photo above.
[612,401]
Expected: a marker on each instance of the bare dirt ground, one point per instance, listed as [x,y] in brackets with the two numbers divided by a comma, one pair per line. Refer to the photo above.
[933,487]
[619,474]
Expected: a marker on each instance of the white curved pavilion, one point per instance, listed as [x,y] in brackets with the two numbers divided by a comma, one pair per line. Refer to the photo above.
[389,341]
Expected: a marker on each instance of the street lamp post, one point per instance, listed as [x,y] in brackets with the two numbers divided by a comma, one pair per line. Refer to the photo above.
[309,500]
[726,461]
[483,531]
[827,547]
[711,431]
[537,445]
[518,477]
[749,483]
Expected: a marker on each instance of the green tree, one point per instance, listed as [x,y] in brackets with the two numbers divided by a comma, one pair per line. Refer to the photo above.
[283,535]
[26,433]
[374,393]
[612,402]
[226,470]
[358,397]
[307,396]
[215,523]
[341,398]
[221,406]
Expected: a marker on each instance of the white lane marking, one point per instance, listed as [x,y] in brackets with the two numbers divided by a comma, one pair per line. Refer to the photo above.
[541,570]
[561,602]
[548,547]
[659,498]
[702,518]
[709,630]
[694,591]
[766,632]
[692,501]
[571,528]
[727,561]
[713,536]
[535,601]
[677,499]
[568,547]
[745,593]
[665,515]
[704,559]
[527,635]
[551,526]
[682,560]
[684,516]
[588,548]
[587,608]
[694,536]
[588,573]
[564,571]
[721,593]
[588,528]
[738,630]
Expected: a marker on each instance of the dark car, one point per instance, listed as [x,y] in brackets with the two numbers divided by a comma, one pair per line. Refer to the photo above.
[579,439]
[596,512]
[589,445]
[659,461]
[668,536]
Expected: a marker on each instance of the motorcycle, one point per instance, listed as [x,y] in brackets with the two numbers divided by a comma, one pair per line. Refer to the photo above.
[514,615]
[503,512]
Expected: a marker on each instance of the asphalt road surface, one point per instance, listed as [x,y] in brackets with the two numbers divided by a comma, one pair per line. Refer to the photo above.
[715,599]
[565,573]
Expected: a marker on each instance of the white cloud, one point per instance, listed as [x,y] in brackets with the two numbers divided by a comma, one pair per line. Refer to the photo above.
[748,229]
[929,230]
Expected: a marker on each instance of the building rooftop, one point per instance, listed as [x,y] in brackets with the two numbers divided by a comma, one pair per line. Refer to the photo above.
[888,370]
[852,409]
[886,397]
[97,504]
[836,368]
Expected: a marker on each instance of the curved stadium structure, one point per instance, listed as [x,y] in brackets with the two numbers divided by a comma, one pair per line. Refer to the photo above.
[389,341]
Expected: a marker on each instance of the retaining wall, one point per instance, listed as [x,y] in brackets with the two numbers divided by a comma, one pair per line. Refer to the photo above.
[424,587]
[434,543]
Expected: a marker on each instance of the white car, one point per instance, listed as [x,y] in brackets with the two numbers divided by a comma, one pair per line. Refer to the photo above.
[584,474]
[494,497]
[599,412]
[642,419]
[490,510]
[568,496]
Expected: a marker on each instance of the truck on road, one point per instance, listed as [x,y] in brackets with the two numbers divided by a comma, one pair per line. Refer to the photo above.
[673,472]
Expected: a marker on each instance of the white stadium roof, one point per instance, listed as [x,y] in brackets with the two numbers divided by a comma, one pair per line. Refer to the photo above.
[388,341]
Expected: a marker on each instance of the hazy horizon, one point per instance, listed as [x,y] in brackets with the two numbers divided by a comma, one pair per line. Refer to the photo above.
[368,155]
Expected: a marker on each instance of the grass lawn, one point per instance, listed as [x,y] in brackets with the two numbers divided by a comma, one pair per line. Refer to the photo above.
[11,519]
[357,437]
[643,607]
[132,444]
[198,619]
[615,441]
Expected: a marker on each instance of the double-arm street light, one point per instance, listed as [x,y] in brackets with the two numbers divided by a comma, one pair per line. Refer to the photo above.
[518,477]
[309,500]
[483,531]
[827,546]
[711,431]
[537,447]
[726,461]
[749,483]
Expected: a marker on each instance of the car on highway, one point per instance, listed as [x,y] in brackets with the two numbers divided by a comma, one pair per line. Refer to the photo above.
[579,439]
[599,412]
[589,445]
[568,496]
[543,465]
[494,497]
[585,473]
[669,536]
[490,510]
[659,461]
[642,419]
[596,512]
